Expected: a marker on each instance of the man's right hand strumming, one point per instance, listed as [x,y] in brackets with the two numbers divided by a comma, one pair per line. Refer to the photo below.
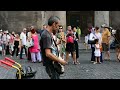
[62,61]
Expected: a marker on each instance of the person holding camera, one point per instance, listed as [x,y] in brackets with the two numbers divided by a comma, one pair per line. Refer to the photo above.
[61,37]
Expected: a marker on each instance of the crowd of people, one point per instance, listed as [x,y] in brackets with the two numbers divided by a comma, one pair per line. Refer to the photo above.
[54,43]
[102,40]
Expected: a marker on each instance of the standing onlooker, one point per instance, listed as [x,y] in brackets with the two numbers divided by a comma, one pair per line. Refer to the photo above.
[35,50]
[76,38]
[118,52]
[62,38]
[86,41]
[117,42]
[70,46]
[11,44]
[97,51]
[105,42]
[1,32]
[49,48]
[99,36]
[8,42]
[44,28]
[1,41]
[23,42]
[16,46]
[92,37]
[79,33]
[28,40]
[5,42]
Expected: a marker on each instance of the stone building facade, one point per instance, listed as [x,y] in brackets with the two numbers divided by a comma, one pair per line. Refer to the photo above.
[17,20]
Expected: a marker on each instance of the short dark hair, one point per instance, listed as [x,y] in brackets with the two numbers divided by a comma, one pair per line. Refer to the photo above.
[96,28]
[96,40]
[53,19]
[74,27]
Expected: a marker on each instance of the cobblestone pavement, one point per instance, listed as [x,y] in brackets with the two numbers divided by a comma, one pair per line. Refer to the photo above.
[85,70]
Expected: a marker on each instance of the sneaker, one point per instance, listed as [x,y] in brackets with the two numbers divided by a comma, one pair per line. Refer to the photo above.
[92,61]
[95,63]
[33,62]
[75,63]
[78,62]
[39,61]
[109,59]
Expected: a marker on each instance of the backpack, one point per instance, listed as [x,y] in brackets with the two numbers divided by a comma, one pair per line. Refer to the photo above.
[70,39]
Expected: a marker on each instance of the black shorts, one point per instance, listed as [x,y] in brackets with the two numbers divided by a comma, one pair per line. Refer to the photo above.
[106,47]
[70,47]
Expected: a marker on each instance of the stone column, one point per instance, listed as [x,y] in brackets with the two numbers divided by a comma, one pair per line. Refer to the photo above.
[62,16]
[101,17]
[47,14]
[41,19]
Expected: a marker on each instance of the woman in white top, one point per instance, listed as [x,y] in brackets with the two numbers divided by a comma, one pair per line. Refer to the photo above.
[92,37]
[99,36]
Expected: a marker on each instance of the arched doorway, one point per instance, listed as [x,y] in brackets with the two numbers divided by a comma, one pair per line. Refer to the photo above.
[81,19]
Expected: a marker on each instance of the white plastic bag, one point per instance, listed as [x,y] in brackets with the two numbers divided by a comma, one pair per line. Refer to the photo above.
[0,48]
[30,43]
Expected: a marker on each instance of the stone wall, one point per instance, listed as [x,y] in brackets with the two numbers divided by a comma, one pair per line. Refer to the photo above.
[115,19]
[101,17]
[17,20]
[112,18]
[60,14]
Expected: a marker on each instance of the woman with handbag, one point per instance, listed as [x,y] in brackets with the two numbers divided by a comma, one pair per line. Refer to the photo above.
[99,36]
[92,38]
[35,50]
[95,35]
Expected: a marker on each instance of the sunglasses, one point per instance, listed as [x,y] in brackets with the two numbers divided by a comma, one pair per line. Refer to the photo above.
[60,28]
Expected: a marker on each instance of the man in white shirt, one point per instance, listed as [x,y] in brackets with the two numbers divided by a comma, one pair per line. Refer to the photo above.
[23,42]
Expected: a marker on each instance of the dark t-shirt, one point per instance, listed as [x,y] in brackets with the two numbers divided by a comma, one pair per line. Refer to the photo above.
[41,32]
[47,42]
